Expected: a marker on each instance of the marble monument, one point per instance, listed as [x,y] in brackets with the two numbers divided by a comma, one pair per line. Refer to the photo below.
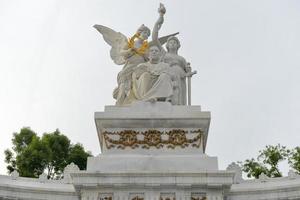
[153,141]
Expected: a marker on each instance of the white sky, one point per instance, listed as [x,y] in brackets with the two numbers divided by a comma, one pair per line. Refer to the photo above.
[55,69]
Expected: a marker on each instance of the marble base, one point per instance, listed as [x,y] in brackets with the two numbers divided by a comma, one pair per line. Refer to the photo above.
[152,163]
[152,128]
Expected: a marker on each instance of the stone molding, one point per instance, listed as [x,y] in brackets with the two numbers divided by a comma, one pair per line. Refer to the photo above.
[34,188]
[269,188]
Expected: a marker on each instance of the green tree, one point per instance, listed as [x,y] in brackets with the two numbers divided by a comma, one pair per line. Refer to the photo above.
[32,161]
[253,168]
[23,139]
[58,147]
[20,142]
[10,160]
[294,159]
[266,162]
[32,155]
[78,156]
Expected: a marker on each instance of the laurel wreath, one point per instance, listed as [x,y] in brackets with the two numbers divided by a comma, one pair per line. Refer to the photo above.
[142,50]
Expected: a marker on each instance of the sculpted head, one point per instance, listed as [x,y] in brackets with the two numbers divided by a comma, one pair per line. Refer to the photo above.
[173,44]
[144,32]
[154,53]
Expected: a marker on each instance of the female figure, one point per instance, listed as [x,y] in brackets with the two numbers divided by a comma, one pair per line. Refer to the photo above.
[177,63]
[134,53]
[178,67]
[128,53]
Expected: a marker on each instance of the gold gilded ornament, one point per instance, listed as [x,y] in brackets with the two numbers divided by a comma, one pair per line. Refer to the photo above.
[198,198]
[152,138]
[144,47]
[137,198]
[168,198]
[106,198]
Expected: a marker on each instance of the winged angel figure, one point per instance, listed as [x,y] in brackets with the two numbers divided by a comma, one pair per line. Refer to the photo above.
[130,53]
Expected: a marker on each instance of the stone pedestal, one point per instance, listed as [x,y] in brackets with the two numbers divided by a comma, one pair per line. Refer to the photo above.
[152,151]
[152,128]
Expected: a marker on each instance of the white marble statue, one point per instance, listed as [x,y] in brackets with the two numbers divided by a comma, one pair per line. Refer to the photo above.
[177,63]
[129,53]
[154,80]
[135,51]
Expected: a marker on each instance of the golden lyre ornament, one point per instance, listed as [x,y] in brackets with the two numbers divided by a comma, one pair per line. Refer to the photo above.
[142,50]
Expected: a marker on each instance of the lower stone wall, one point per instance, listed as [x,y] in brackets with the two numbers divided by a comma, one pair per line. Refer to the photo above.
[267,189]
[40,189]
[35,189]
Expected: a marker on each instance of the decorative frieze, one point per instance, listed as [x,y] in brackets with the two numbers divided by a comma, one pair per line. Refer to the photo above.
[105,196]
[167,196]
[136,196]
[153,138]
[198,196]
[141,196]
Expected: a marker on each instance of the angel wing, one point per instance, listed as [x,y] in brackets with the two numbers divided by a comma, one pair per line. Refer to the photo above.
[116,40]
[163,40]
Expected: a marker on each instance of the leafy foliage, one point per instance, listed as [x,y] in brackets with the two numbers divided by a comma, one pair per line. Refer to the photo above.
[78,156]
[32,161]
[23,139]
[271,156]
[294,159]
[32,155]
[253,168]
[58,147]
[266,162]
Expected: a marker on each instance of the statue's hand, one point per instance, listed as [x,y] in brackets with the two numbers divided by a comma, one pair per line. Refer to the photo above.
[161,9]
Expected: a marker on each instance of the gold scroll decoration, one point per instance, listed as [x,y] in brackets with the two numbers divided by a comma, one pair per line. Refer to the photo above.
[167,198]
[137,198]
[152,138]
[198,198]
[105,198]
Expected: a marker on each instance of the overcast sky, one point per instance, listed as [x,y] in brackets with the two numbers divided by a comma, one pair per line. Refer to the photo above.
[55,69]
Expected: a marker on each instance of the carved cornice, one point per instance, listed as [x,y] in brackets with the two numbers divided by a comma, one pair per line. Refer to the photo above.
[152,138]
